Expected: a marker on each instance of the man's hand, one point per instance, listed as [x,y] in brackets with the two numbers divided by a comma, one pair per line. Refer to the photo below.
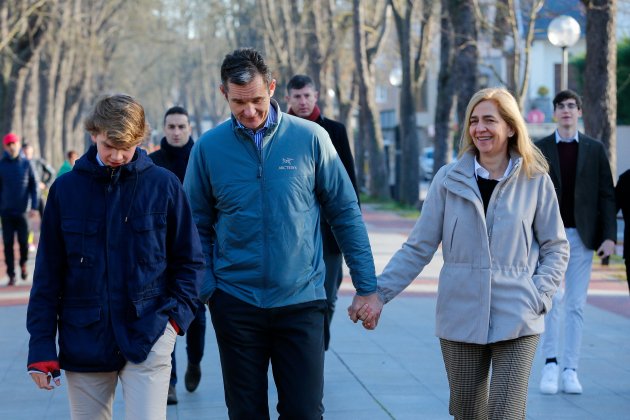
[43,372]
[366,309]
[606,249]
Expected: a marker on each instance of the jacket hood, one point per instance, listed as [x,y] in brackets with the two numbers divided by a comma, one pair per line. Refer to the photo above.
[88,164]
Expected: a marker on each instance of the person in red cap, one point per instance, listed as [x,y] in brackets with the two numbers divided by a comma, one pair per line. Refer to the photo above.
[18,201]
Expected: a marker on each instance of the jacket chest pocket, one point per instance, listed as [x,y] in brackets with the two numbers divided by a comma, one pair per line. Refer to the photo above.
[80,238]
[149,237]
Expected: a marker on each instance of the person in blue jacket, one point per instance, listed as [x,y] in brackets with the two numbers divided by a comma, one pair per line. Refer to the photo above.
[258,186]
[18,202]
[117,272]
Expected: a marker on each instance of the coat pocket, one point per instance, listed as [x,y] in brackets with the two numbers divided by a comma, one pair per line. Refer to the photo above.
[82,335]
[80,237]
[148,302]
[149,236]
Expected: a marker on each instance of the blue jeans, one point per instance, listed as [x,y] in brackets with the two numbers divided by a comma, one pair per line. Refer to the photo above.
[195,341]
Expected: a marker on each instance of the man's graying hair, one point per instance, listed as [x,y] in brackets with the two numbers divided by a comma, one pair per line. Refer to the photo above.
[242,66]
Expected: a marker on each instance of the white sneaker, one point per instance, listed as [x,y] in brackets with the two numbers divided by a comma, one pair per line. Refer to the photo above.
[570,382]
[549,381]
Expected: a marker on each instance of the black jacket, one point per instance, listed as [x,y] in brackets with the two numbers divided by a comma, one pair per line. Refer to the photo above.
[622,191]
[175,159]
[595,210]
[339,136]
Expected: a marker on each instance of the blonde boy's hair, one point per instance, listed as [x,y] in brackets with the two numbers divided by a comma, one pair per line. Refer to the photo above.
[121,118]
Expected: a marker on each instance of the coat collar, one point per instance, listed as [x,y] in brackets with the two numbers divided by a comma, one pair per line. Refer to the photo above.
[461,178]
[87,163]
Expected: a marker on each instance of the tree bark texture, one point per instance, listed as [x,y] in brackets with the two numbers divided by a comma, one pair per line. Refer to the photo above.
[465,65]
[369,116]
[600,87]
[445,107]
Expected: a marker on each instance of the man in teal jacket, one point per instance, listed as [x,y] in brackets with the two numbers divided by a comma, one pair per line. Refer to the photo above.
[258,185]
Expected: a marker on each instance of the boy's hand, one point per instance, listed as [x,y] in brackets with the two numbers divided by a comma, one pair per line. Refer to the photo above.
[43,372]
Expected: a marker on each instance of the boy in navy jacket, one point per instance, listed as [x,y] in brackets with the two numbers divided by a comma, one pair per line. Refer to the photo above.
[117,273]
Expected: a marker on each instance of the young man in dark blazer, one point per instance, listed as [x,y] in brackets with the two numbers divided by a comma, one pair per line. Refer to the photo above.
[302,97]
[580,171]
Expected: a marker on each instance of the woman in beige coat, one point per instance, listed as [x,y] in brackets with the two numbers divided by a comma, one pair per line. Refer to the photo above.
[496,215]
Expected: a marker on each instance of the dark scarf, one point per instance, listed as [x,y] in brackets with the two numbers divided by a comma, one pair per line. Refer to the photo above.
[177,156]
[314,115]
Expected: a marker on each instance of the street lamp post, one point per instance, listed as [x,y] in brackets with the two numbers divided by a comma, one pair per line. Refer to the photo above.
[564,32]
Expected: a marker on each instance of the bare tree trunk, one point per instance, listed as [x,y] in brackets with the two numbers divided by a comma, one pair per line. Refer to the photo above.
[600,93]
[446,94]
[413,71]
[465,71]
[22,34]
[31,105]
[313,41]
[378,173]
[347,103]
[18,95]
[49,68]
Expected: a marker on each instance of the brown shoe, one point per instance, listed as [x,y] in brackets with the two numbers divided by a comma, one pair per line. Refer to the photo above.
[11,281]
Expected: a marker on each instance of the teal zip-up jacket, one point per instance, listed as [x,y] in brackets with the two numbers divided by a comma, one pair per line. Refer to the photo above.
[258,213]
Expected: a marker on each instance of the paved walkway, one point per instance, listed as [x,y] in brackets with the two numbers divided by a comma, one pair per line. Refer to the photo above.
[394,372]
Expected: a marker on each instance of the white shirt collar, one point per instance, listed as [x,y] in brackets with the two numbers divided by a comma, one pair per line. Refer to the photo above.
[567,140]
[482,172]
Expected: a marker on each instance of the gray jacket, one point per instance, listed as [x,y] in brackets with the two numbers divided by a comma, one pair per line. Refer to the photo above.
[501,269]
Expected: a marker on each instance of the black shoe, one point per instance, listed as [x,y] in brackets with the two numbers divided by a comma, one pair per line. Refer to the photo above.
[192,377]
[172,395]
[24,271]
[11,281]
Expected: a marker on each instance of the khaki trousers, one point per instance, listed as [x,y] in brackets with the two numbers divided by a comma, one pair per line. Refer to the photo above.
[145,386]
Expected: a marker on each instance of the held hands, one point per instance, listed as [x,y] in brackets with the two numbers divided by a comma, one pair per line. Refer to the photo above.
[43,372]
[366,309]
[606,249]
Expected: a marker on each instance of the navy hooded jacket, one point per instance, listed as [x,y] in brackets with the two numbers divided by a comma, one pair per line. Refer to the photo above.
[18,186]
[119,254]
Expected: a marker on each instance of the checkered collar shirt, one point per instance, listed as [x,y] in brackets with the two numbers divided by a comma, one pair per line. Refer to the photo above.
[258,136]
